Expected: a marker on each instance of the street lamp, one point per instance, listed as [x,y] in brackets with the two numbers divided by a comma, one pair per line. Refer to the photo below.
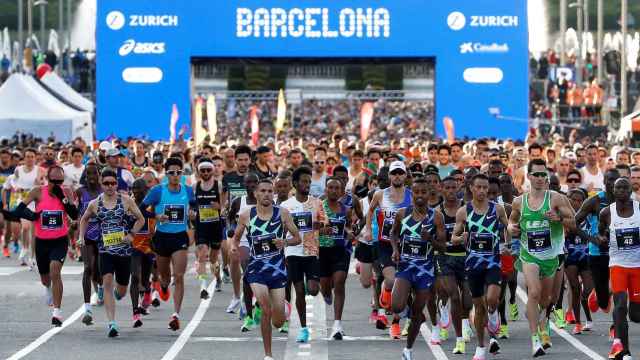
[42,4]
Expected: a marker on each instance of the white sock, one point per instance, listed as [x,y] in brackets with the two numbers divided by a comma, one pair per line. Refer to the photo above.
[409,350]
[465,323]
[176,315]
[57,313]
[203,283]
[459,339]
[87,307]
[337,324]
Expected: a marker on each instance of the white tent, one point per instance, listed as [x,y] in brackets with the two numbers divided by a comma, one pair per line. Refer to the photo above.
[625,126]
[61,88]
[27,107]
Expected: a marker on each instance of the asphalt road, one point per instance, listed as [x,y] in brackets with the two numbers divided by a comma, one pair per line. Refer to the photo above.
[210,333]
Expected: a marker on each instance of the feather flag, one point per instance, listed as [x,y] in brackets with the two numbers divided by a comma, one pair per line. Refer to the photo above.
[366,116]
[282,112]
[255,125]
[200,131]
[173,123]
[212,121]
[449,129]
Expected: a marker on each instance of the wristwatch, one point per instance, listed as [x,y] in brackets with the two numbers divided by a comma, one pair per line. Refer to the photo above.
[65,201]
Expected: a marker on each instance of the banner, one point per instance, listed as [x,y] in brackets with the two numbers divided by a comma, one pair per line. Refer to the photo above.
[282,112]
[198,127]
[212,121]
[173,123]
[366,116]
[255,125]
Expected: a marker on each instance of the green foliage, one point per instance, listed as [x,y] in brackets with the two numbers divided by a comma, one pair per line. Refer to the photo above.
[611,14]
[9,14]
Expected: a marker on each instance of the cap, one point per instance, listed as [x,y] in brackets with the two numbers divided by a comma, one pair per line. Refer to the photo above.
[397,165]
[105,145]
[112,152]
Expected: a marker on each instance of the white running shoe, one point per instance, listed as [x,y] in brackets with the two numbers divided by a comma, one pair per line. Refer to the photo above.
[435,336]
[234,305]
[407,354]
[445,317]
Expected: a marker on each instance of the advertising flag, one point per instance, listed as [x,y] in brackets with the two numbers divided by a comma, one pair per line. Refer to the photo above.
[212,120]
[255,125]
[173,122]
[449,129]
[282,112]
[200,131]
[366,116]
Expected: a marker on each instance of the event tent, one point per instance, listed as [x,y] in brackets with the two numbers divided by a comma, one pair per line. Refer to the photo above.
[62,89]
[27,107]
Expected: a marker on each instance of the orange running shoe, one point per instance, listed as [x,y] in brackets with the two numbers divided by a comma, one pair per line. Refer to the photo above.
[163,293]
[174,323]
[5,252]
[382,322]
[577,330]
[616,349]
[385,298]
[395,331]
[569,318]
[592,301]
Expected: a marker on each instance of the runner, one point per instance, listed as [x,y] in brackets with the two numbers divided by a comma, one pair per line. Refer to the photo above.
[538,217]
[53,205]
[208,224]
[335,251]
[620,227]
[110,210]
[384,206]
[450,267]
[302,260]
[419,229]
[6,171]
[266,274]
[171,204]
[478,225]
[89,247]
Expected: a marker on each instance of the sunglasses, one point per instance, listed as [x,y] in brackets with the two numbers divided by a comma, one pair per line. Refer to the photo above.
[205,170]
[109,183]
[573,180]
[397,172]
[540,174]
[319,162]
[174,172]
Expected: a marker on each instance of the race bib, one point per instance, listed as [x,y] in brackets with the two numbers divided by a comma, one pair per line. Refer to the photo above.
[481,242]
[175,213]
[303,221]
[51,219]
[386,229]
[414,248]
[337,228]
[264,247]
[539,240]
[112,237]
[208,214]
[628,238]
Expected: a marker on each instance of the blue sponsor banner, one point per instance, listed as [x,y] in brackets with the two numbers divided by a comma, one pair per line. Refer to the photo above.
[144,50]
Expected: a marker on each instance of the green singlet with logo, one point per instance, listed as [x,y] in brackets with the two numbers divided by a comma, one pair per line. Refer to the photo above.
[540,238]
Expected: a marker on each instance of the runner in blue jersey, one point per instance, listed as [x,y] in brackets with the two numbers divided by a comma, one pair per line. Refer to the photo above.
[265,225]
[173,204]
[384,205]
[478,225]
[416,232]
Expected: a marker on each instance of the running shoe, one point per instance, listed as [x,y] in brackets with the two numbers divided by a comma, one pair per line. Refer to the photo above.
[394,331]
[285,327]
[218,285]
[204,294]
[248,324]
[405,329]
[545,339]
[385,298]
[56,321]
[616,349]
[513,311]
[16,247]
[114,331]
[538,350]
[137,320]
[164,293]
[504,332]
[444,334]
[577,329]
[146,300]
[407,354]
[559,318]
[87,319]
[494,346]
[435,337]
[382,322]
[303,335]
[338,332]
[226,277]
[22,257]
[116,295]
[373,316]
[234,305]
[460,347]
[268,358]
[143,311]
[592,302]
[480,354]
[627,357]
[174,322]
[257,315]
[612,333]
[5,252]
[155,299]
[445,318]
[569,318]
[100,296]
[493,322]
[588,326]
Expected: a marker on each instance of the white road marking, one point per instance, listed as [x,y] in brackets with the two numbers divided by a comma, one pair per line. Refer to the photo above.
[72,270]
[565,335]
[435,349]
[191,327]
[317,348]
[47,335]
[382,338]
[10,270]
